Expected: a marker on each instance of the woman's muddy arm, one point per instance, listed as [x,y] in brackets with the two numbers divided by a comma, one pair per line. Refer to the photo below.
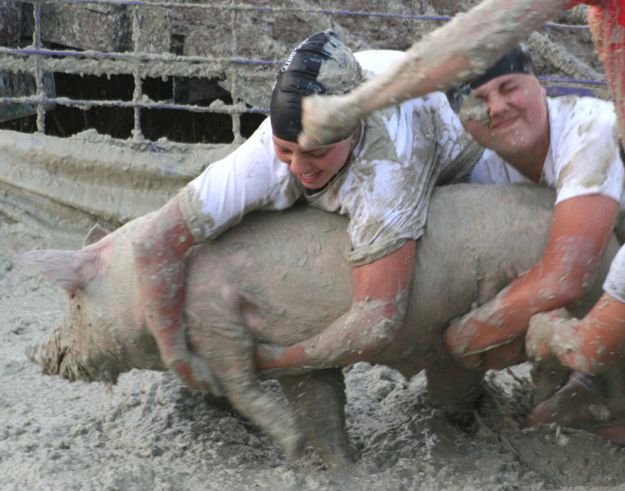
[159,250]
[368,329]
[464,47]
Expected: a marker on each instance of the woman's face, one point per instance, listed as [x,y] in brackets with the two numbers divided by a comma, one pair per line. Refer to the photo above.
[314,167]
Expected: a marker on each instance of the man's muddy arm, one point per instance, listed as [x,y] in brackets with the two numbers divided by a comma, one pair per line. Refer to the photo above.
[464,47]
[159,257]
[378,308]
[590,345]
[580,231]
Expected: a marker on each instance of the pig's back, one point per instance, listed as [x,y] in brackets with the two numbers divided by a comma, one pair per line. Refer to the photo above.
[290,265]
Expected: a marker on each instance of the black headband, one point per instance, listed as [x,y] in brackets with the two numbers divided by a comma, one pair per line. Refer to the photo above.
[517,60]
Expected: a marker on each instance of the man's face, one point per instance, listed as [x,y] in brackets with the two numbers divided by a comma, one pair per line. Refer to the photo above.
[314,167]
[511,114]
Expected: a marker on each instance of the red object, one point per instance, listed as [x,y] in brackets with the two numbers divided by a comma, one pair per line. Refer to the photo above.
[616,8]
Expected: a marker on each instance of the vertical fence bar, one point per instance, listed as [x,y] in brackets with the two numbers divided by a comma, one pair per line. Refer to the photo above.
[137,133]
[41,93]
[235,114]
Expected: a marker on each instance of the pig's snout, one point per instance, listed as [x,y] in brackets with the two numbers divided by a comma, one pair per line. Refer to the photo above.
[56,357]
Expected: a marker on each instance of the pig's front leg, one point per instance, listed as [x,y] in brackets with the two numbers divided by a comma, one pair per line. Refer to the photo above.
[224,340]
[319,400]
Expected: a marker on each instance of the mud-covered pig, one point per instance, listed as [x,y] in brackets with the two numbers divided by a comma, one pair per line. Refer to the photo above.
[280,278]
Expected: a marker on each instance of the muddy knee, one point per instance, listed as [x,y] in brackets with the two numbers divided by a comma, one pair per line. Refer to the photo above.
[319,400]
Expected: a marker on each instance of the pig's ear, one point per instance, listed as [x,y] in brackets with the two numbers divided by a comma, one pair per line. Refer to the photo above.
[69,269]
[96,233]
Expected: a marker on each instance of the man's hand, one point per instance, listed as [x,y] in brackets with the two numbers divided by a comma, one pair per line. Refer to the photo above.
[455,52]
[541,332]
[589,345]
[494,353]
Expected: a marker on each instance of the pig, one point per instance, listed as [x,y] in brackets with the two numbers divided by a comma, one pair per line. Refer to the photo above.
[281,277]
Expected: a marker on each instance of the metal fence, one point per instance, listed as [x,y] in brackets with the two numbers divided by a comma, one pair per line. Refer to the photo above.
[153,75]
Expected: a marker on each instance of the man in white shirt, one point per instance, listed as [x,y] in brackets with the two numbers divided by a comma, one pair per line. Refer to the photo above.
[569,144]
[380,175]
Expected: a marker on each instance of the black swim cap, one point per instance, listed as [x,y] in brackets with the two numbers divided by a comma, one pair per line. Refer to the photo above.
[517,60]
[321,64]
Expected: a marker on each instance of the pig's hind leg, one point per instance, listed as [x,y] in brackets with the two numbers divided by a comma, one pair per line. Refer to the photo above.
[319,400]
[227,344]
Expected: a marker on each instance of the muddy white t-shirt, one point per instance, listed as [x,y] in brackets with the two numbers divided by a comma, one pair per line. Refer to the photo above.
[583,156]
[384,188]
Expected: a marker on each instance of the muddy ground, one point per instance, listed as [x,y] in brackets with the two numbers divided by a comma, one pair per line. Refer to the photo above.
[151,433]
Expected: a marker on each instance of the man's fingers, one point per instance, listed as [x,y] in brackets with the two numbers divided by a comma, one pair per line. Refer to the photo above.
[538,338]
[457,338]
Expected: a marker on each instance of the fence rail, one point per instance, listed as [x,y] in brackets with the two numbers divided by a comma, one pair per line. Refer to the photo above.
[273,9]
